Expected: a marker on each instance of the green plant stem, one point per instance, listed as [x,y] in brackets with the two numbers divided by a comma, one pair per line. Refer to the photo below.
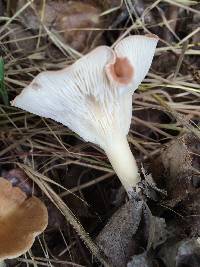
[3,90]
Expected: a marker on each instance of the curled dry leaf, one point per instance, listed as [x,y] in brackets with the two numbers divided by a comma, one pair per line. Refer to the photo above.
[76,24]
[177,171]
[130,231]
[21,220]
[178,166]
[74,21]
[116,238]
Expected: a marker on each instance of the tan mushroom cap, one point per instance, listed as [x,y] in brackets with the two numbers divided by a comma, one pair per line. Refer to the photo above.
[21,220]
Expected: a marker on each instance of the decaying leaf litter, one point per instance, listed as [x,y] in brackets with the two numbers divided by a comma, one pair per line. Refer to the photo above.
[158,227]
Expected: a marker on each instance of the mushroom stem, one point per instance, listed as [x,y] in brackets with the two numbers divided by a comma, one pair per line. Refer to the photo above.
[2,264]
[123,162]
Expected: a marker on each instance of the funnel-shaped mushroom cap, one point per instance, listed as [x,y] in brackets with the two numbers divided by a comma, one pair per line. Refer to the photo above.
[21,220]
[80,97]
[86,97]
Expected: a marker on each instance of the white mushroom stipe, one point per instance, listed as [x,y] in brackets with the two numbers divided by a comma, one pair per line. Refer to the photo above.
[93,97]
[119,154]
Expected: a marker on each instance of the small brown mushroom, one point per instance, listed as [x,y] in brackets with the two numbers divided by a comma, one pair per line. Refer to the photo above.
[21,220]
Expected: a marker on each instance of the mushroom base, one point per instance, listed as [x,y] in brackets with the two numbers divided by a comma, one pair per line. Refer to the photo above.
[123,162]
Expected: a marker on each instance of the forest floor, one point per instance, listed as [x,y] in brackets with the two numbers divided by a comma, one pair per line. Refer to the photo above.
[161,226]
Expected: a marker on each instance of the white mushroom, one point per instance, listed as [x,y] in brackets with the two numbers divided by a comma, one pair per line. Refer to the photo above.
[93,97]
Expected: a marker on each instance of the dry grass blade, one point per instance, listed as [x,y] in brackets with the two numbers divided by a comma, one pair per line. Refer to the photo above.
[180,118]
